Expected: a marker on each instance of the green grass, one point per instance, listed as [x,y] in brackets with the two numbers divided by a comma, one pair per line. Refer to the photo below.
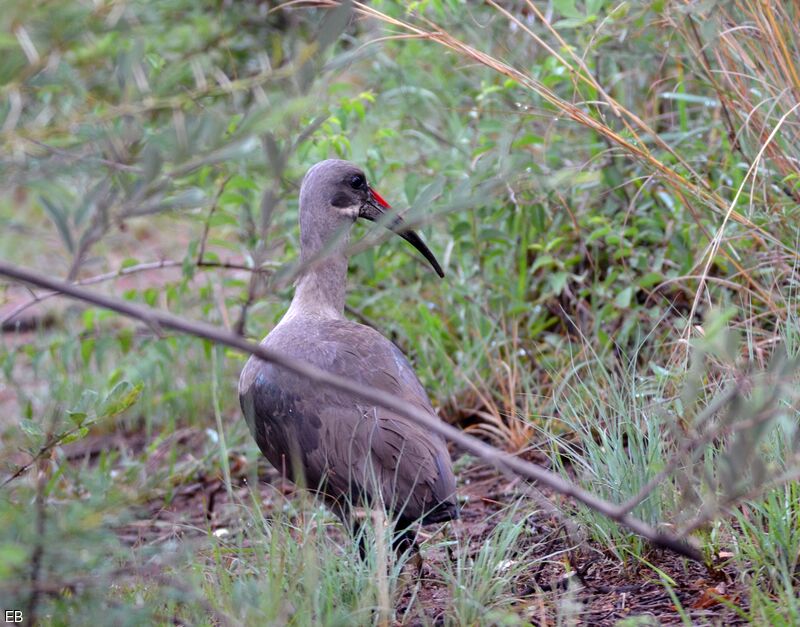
[485,584]
[766,534]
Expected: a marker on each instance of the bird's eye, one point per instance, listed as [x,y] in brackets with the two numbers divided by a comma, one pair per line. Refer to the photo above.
[358,181]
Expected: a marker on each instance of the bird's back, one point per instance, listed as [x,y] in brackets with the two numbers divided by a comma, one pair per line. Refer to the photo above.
[343,446]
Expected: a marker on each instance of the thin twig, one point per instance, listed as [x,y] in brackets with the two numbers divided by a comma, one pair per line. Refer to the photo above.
[38,547]
[207,225]
[503,461]
[114,165]
[6,322]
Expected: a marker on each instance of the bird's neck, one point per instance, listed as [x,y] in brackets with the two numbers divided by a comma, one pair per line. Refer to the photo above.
[320,290]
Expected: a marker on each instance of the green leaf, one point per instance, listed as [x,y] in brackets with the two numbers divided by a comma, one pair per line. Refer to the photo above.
[187,199]
[8,41]
[188,267]
[528,139]
[334,24]
[558,281]
[12,555]
[593,6]
[120,398]
[89,317]
[152,161]
[541,261]
[77,417]
[125,338]
[151,296]
[623,299]
[75,435]
[87,349]
[59,218]
[115,376]
[598,233]
[567,8]
[690,98]
[427,195]
[31,428]
[650,279]
[493,235]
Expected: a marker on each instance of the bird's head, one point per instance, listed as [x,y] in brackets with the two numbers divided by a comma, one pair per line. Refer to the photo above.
[334,194]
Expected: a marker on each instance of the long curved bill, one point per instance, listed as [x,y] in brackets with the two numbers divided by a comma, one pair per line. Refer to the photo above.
[375,207]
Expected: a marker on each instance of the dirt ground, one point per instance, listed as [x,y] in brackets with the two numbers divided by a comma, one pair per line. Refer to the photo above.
[604,590]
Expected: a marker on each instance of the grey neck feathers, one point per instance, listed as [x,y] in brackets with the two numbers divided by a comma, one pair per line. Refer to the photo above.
[321,289]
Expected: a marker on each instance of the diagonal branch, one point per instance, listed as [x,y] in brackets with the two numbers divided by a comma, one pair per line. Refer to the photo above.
[502,461]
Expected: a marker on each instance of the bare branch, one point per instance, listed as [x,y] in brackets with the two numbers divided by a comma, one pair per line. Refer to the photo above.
[7,322]
[114,165]
[207,226]
[503,461]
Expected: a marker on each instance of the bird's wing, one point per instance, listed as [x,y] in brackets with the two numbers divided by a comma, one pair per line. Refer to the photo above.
[348,447]
[372,455]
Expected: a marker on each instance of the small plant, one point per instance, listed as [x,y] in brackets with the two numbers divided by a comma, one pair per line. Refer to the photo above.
[483,577]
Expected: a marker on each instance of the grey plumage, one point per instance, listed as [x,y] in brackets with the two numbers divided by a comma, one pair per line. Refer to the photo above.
[347,449]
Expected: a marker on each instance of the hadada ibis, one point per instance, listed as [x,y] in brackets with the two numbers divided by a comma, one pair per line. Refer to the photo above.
[351,452]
